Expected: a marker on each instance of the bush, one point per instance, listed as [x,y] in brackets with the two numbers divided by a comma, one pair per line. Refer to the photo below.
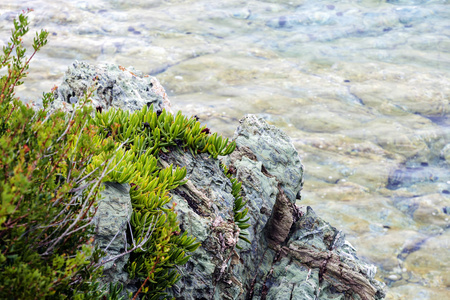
[52,165]
[48,199]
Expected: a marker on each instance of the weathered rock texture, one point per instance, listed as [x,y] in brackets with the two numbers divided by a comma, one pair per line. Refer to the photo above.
[111,220]
[117,87]
[293,253]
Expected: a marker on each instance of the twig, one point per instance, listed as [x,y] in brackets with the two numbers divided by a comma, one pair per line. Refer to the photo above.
[141,243]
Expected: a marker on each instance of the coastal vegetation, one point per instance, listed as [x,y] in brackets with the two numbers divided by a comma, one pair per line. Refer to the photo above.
[52,167]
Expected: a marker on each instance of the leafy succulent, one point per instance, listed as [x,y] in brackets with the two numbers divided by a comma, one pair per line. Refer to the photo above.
[239,203]
[144,135]
[148,130]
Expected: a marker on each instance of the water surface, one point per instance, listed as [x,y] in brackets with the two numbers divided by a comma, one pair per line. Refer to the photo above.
[362,87]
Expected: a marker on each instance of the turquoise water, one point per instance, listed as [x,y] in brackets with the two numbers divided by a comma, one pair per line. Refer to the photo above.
[362,87]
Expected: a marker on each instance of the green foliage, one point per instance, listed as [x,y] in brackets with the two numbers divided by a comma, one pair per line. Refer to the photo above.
[52,165]
[239,215]
[18,64]
[147,131]
[47,197]
[145,134]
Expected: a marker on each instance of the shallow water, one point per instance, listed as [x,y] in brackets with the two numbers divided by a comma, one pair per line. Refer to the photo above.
[362,87]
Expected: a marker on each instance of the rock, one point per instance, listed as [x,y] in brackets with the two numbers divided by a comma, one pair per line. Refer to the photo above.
[113,214]
[116,87]
[410,176]
[293,254]
[445,153]
[428,254]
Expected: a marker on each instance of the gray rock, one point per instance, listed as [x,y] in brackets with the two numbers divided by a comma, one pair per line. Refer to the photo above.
[113,214]
[116,86]
[273,148]
[293,254]
[445,153]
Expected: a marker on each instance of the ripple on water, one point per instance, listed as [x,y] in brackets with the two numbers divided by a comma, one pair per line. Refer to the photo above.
[362,87]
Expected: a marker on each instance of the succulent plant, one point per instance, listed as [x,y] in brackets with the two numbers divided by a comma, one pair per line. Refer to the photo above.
[239,203]
[144,135]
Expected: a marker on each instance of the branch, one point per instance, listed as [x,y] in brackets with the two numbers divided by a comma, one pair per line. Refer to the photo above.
[83,209]
[141,243]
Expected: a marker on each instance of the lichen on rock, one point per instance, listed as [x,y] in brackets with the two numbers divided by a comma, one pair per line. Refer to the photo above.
[111,220]
[116,87]
[293,253]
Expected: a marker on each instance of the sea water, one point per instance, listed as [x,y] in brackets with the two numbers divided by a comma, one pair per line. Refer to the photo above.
[362,87]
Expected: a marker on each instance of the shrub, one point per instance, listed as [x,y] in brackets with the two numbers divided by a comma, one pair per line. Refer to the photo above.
[48,199]
[52,165]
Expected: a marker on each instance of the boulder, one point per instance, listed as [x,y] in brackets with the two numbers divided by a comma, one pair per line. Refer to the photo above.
[292,254]
[114,85]
[111,221]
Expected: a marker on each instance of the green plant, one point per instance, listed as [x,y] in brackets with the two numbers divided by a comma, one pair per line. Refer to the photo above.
[48,199]
[18,64]
[160,131]
[239,215]
[52,165]
[156,241]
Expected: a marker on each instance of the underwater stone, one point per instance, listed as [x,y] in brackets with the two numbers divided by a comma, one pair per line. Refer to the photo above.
[445,153]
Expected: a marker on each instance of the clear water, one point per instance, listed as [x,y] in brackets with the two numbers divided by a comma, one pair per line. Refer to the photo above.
[362,87]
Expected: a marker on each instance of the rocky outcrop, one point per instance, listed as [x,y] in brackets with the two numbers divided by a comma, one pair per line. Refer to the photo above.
[114,85]
[292,254]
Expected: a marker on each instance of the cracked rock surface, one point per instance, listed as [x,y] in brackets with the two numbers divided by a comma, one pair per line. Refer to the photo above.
[116,86]
[293,254]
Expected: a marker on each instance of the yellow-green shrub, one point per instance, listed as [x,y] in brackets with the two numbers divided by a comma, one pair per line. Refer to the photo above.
[47,198]
[51,169]
[145,134]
